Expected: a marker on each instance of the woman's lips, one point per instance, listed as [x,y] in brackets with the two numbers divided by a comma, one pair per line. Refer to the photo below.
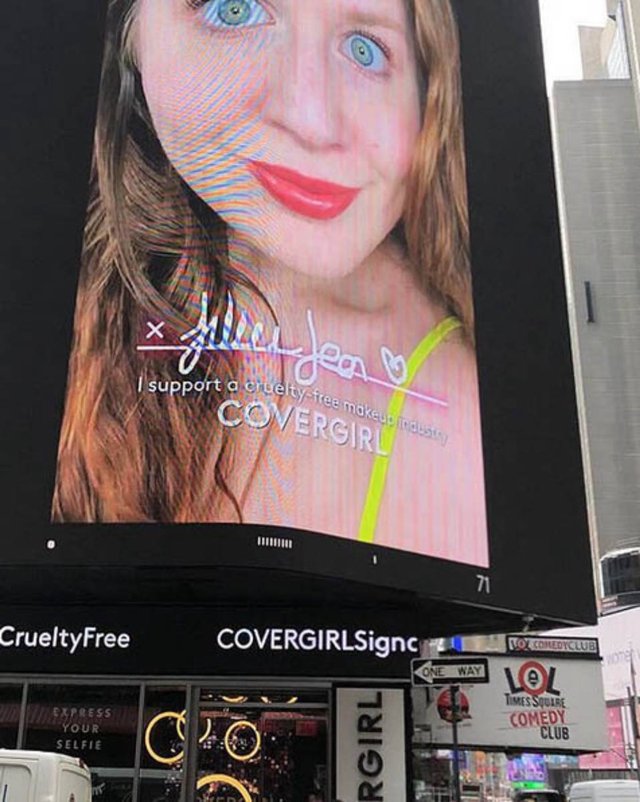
[308,196]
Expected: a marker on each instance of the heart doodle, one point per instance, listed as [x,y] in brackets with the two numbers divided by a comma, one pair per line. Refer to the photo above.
[394,364]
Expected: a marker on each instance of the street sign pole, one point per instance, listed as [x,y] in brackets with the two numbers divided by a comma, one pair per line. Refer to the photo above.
[435,672]
[634,713]
[455,707]
[634,732]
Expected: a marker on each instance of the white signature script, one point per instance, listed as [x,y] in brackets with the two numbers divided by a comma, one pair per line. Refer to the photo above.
[325,355]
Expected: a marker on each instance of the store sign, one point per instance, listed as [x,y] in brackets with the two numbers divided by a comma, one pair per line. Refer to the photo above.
[57,637]
[538,644]
[141,640]
[291,639]
[537,704]
[370,733]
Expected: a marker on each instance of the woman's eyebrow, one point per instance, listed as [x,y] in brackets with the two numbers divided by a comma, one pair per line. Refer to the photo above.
[374,18]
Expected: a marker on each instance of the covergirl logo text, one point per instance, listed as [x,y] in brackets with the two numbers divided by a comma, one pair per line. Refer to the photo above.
[316,640]
[371,741]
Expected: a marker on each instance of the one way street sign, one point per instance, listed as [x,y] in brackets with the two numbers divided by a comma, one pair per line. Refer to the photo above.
[450,671]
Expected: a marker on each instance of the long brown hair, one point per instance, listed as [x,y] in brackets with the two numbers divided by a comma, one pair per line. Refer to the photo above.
[152,247]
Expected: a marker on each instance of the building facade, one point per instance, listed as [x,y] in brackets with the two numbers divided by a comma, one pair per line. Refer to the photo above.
[598,160]
[204,704]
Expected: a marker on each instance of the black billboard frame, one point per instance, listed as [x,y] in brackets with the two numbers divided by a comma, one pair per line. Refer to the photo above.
[536,510]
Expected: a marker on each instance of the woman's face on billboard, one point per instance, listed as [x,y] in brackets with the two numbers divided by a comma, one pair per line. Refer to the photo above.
[295,120]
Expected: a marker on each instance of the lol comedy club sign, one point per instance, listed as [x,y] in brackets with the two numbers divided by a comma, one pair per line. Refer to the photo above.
[543,704]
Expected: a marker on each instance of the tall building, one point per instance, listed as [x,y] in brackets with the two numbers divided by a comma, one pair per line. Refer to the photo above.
[597,142]
[617,56]
[597,149]
[604,50]
[631,9]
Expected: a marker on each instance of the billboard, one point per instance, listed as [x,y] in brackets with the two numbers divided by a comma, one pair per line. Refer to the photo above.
[536,704]
[290,324]
[527,768]
[615,757]
[273,322]
[618,634]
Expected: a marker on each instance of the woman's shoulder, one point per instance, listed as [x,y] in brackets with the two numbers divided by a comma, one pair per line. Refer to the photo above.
[444,383]
[436,466]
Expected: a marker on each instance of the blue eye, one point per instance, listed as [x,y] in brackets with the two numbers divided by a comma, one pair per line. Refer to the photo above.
[366,53]
[235,13]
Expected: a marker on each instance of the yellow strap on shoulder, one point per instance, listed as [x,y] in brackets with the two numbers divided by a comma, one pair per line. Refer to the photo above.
[378,478]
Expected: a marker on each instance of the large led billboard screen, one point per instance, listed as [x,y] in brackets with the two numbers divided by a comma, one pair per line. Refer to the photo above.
[274,319]
[310,313]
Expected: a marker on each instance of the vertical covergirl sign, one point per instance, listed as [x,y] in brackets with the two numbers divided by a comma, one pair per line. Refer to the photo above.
[274,321]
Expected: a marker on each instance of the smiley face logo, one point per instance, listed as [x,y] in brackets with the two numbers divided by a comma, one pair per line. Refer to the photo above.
[533,678]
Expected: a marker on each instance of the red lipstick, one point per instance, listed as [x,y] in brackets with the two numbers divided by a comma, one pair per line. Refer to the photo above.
[311,197]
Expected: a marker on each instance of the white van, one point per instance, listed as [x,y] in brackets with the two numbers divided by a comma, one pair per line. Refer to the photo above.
[42,777]
[604,791]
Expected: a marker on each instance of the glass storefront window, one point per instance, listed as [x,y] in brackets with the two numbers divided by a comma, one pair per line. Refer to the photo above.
[163,744]
[111,789]
[159,786]
[10,701]
[258,745]
[270,746]
[95,723]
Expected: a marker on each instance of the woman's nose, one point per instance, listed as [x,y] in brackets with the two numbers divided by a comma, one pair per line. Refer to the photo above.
[302,96]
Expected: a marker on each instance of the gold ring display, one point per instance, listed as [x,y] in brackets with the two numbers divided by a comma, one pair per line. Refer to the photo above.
[168,761]
[180,722]
[180,729]
[224,778]
[227,740]
[291,701]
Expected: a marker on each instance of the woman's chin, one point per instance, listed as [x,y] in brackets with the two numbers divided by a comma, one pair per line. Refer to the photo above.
[316,264]
[316,249]
[299,258]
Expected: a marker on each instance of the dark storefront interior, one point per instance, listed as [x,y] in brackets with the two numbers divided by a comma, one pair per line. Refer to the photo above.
[256,743]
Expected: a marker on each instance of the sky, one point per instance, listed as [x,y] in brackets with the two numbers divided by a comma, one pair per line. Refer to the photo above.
[560,21]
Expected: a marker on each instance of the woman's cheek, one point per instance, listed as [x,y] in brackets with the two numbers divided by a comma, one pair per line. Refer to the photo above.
[384,125]
[210,86]
[395,142]
[207,115]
